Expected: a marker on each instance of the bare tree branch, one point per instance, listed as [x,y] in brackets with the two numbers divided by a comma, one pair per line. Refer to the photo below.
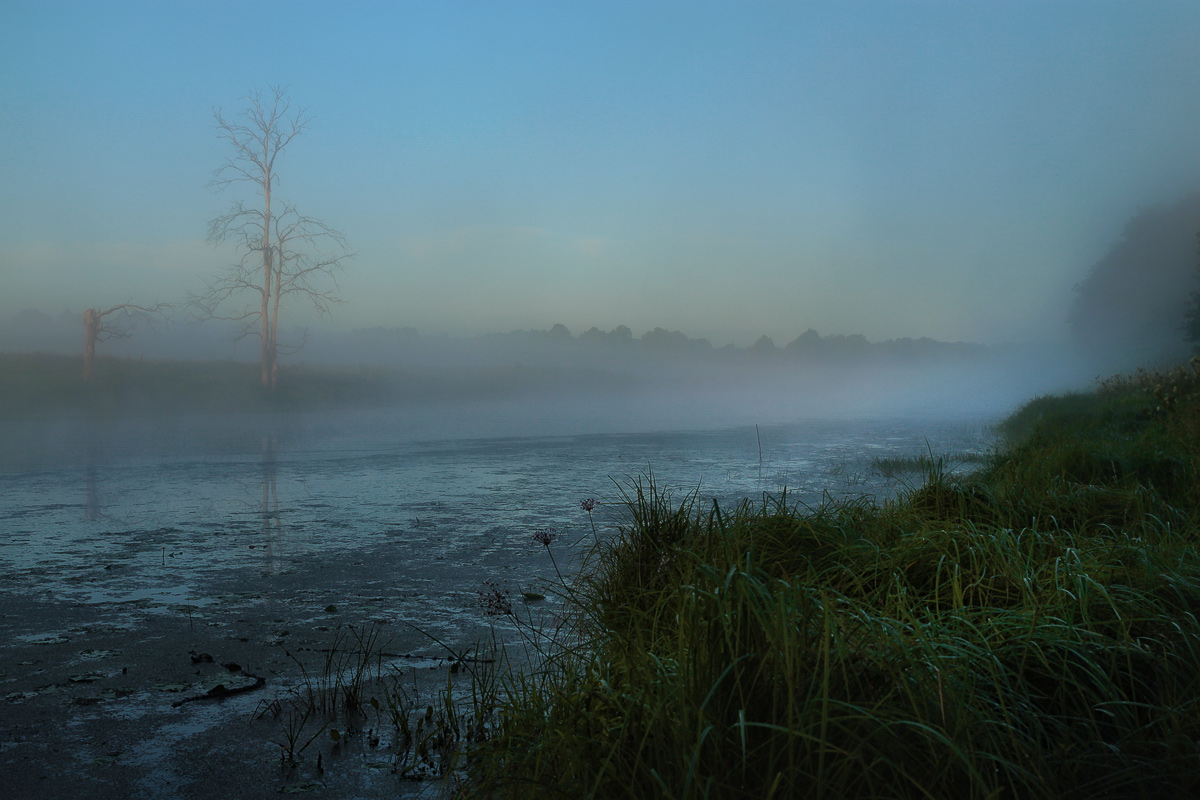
[257,142]
[97,329]
[281,252]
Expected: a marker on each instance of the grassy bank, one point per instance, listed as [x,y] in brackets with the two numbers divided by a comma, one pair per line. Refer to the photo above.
[42,384]
[1027,632]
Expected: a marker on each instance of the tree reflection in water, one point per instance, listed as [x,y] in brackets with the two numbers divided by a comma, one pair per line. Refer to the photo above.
[271,522]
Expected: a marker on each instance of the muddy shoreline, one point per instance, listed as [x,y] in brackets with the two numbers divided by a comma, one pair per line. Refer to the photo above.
[121,575]
[89,705]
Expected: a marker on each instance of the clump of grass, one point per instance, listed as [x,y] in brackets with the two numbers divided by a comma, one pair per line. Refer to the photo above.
[352,660]
[333,698]
[1029,630]
[899,467]
[429,736]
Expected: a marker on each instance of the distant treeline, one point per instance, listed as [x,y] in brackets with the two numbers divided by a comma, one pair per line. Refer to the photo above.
[1137,305]
[558,339]
[35,331]
[809,343]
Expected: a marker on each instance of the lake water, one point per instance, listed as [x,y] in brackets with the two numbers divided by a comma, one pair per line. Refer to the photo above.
[127,549]
[174,510]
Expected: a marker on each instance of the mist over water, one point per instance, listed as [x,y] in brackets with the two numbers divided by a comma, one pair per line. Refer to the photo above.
[135,538]
[458,403]
[439,490]
[235,504]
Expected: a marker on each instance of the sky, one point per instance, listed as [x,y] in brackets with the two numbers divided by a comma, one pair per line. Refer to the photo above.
[726,169]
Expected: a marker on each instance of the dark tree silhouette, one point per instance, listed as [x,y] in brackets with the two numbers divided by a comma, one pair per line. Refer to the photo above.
[1192,323]
[1132,307]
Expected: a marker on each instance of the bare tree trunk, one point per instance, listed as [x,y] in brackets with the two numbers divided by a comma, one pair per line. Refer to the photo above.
[91,329]
[266,246]
[95,329]
[275,324]
[266,345]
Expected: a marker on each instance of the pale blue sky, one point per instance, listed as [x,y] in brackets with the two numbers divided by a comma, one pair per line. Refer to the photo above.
[897,168]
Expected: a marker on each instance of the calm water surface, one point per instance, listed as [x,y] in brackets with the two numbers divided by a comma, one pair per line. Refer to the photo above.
[179,507]
[126,549]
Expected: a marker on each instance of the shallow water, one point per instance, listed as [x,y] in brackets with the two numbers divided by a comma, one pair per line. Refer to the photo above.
[123,549]
[175,509]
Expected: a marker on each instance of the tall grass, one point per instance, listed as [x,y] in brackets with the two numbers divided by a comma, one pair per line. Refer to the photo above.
[1028,631]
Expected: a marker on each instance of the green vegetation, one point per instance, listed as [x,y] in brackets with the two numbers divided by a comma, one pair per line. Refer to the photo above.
[1026,631]
[41,384]
[899,467]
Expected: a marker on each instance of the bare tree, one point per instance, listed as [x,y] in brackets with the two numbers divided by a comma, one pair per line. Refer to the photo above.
[96,328]
[283,252]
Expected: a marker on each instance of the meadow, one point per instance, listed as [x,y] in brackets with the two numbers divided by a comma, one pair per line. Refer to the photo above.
[1027,631]
[41,384]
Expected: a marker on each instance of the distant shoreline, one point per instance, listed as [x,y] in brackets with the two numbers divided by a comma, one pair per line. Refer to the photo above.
[766,387]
